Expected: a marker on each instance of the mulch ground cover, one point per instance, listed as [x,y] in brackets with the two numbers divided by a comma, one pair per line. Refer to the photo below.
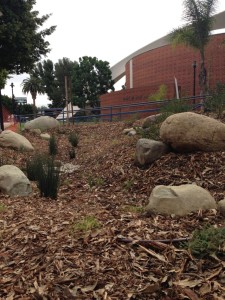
[46,254]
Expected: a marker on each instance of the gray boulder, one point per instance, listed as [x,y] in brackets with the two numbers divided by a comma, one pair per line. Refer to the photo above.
[148,151]
[148,121]
[186,132]
[179,200]
[10,139]
[221,207]
[45,136]
[13,181]
[43,123]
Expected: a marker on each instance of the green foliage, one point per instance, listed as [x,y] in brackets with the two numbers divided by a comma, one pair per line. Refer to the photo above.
[161,94]
[21,38]
[91,78]
[134,209]
[207,241]
[53,148]
[152,132]
[3,78]
[95,181]
[174,106]
[128,184]
[73,139]
[87,224]
[3,207]
[215,102]
[45,171]
[72,153]
[49,179]
[198,16]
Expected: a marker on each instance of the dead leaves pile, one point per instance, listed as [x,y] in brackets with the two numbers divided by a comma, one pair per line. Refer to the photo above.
[129,255]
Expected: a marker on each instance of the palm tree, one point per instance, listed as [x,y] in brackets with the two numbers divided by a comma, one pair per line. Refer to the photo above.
[34,86]
[196,34]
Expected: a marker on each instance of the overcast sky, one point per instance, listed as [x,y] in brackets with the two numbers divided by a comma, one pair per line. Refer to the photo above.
[109,30]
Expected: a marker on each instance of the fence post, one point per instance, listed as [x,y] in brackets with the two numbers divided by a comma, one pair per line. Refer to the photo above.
[111,113]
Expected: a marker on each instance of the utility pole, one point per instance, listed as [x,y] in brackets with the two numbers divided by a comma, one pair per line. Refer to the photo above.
[66,93]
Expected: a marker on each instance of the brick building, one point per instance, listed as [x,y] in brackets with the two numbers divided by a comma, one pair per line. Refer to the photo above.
[160,63]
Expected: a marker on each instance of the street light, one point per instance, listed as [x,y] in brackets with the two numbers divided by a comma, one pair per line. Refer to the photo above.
[13,104]
[194,65]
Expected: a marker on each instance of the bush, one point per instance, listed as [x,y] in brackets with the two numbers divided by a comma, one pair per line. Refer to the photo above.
[73,139]
[207,241]
[215,101]
[53,148]
[45,171]
[174,106]
[49,180]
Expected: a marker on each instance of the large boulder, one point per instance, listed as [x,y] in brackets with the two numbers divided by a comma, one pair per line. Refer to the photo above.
[13,181]
[179,200]
[10,139]
[148,151]
[186,132]
[43,123]
[148,121]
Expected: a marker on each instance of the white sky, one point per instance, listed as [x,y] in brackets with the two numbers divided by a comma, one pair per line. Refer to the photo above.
[109,30]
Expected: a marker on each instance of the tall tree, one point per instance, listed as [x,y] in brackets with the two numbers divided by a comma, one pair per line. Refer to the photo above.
[91,78]
[3,78]
[53,78]
[34,86]
[22,41]
[196,34]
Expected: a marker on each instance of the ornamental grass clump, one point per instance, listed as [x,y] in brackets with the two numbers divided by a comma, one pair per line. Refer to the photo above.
[73,139]
[53,148]
[46,172]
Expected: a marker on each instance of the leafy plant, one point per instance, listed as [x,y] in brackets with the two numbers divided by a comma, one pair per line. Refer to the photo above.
[160,94]
[73,139]
[53,148]
[152,132]
[209,240]
[215,101]
[98,181]
[87,224]
[128,184]
[174,106]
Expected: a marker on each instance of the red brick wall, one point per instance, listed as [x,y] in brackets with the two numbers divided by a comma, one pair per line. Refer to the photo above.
[159,66]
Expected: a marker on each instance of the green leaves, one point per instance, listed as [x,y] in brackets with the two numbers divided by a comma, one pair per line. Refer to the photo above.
[22,42]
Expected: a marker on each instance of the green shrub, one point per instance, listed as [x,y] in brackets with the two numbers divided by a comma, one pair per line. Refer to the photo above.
[161,94]
[87,224]
[48,179]
[73,139]
[45,171]
[95,181]
[152,132]
[209,240]
[174,106]
[53,148]
[215,101]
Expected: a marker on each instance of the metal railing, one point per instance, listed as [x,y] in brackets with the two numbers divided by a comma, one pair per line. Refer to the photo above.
[114,112]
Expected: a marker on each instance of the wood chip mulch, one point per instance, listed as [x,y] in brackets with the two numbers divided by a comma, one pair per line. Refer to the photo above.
[44,256]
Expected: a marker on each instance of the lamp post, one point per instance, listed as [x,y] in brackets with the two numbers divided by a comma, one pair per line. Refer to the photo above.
[13,104]
[194,65]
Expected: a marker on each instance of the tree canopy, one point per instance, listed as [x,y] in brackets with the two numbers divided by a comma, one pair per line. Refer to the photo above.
[91,78]
[22,39]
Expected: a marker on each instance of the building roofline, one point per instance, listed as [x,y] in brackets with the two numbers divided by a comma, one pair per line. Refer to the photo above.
[118,70]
